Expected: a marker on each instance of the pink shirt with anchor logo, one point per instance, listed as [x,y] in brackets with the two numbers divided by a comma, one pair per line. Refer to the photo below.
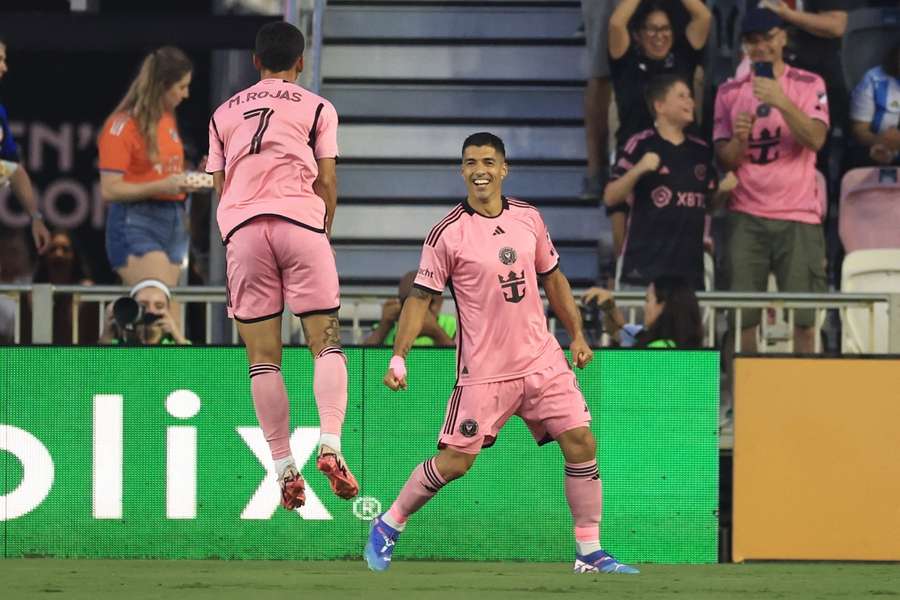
[777,179]
[491,265]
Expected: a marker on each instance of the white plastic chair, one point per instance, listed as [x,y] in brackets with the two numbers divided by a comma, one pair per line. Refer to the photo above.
[869,271]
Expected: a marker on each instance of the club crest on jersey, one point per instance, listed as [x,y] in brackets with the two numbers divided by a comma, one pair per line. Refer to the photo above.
[700,172]
[468,428]
[508,255]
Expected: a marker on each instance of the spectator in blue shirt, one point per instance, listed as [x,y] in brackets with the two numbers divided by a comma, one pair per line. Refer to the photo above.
[875,110]
[13,170]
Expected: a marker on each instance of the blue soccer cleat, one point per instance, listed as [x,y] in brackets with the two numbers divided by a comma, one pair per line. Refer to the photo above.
[380,546]
[601,562]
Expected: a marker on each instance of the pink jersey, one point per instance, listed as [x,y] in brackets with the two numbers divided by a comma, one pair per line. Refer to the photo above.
[491,266]
[777,179]
[267,139]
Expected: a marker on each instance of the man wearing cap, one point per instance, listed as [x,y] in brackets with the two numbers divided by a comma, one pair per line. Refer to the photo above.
[155,298]
[768,126]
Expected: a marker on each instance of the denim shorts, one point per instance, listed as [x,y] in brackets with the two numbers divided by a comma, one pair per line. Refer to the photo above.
[136,228]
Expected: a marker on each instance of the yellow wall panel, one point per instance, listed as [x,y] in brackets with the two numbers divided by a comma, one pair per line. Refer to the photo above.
[816,459]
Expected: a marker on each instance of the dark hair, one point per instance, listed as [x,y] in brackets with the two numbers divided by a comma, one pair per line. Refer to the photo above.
[645,10]
[680,319]
[890,63]
[80,268]
[483,138]
[659,86]
[279,45]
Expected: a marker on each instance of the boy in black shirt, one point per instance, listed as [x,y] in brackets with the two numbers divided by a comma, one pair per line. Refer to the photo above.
[671,177]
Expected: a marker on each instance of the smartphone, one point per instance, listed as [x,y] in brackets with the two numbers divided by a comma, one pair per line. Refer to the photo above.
[763,69]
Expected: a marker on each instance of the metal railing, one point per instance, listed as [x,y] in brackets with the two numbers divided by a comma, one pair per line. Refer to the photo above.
[361,305]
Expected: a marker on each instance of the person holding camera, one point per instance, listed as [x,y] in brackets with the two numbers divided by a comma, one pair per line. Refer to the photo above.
[143,317]
[768,126]
[671,316]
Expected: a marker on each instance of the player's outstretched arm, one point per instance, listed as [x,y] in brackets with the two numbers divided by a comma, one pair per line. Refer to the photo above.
[411,318]
[559,293]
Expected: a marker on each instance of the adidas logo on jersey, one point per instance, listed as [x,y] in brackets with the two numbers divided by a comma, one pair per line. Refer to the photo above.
[498,230]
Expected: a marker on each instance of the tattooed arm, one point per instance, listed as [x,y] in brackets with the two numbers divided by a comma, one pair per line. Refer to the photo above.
[411,318]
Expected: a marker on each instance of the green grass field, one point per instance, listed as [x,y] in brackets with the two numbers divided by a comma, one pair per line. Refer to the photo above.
[251,580]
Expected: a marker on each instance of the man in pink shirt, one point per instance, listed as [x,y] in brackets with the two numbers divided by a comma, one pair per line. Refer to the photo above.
[768,126]
[493,252]
[272,151]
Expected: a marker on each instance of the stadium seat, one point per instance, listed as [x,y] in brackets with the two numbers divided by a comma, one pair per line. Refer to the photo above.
[869,271]
[869,215]
[870,32]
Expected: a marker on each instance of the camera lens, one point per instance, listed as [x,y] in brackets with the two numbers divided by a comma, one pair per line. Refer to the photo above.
[126,311]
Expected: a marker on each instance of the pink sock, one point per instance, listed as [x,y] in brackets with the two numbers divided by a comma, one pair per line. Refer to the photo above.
[330,389]
[584,492]
[423,483]
[273,410]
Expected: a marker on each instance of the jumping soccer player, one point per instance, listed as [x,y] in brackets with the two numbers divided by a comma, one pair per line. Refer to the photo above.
[492,251]
[272,150]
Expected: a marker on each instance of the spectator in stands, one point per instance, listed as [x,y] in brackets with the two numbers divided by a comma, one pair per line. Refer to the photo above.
[671,316]
[768,130]
[18,179]
[815,31]
[141,172]
[63,265]
[16,269]
[156,300]
[437,330]
[596,95]
[671,177]
[875,110]
[642,45]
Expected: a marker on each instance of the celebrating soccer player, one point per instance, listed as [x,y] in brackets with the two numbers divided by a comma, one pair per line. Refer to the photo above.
[492,252]
[272,150]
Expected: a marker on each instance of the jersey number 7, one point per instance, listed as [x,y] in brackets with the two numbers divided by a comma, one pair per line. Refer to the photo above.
[264,114]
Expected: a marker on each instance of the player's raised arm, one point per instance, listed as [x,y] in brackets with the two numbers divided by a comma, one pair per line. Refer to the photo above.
[559,293]
[411,318]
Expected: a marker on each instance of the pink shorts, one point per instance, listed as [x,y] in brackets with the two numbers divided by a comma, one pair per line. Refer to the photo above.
[549,401]
[271,261]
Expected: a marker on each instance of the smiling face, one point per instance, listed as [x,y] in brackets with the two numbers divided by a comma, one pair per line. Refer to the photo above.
[484,169]
[655,35]
[678,105]
[766,47]
[177,92]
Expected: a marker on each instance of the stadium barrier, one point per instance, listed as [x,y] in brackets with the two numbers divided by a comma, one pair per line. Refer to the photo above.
[156,452]
[361,306]
[816,475]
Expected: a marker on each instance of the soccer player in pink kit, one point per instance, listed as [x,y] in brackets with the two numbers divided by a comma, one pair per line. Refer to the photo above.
[272,151]
[493,252]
